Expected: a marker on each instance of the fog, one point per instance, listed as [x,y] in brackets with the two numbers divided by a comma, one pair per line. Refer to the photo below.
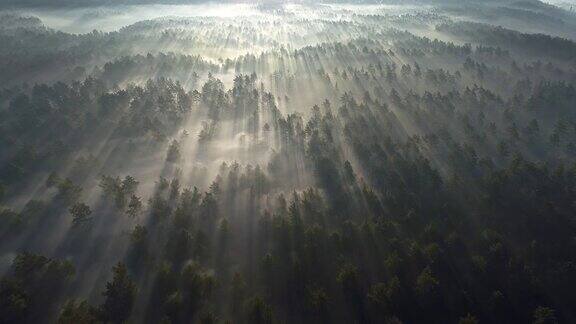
[80,20]
[107,19]
[566,4]
[282,162]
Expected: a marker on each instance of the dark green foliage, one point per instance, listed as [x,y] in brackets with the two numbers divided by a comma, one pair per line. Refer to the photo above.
[173,152]
[80,214]
[68,192]
[33,286]
[134,206]
[258,312]
[14,302]
[74,312]
[544,315]
[119,190]
[119,296]
[348,172]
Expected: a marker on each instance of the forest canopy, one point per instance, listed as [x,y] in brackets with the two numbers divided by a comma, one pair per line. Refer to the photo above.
[277,162]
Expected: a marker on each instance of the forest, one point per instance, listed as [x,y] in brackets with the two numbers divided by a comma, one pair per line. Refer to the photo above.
[281,162]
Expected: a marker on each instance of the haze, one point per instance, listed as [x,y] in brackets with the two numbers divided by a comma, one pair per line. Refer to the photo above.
[287,162]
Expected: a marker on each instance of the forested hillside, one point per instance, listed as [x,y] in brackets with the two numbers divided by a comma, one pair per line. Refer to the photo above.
[304,163]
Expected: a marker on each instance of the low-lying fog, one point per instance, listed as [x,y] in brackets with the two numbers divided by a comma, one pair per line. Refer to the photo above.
[106,19]
[86,19]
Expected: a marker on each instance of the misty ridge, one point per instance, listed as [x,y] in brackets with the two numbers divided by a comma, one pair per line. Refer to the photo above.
[287,162]
[131,2]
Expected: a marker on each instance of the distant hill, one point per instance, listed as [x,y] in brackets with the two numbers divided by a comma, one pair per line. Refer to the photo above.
[83,3]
